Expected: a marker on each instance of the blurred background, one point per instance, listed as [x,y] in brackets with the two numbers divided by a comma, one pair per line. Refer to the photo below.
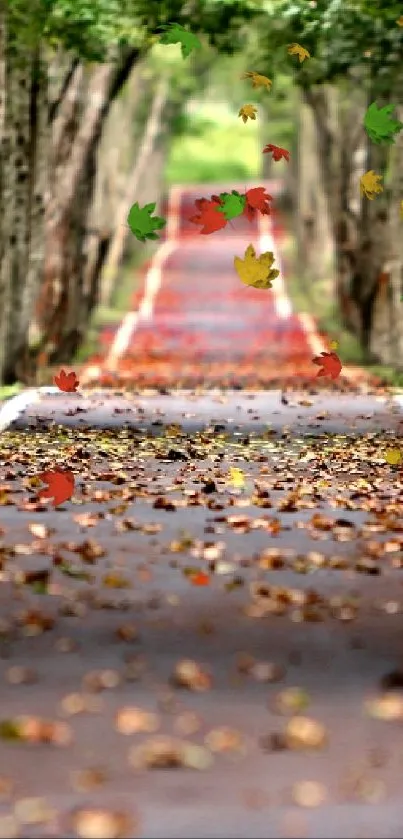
[96,114]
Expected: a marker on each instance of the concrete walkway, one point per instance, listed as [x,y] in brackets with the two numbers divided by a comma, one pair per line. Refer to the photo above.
[303,565]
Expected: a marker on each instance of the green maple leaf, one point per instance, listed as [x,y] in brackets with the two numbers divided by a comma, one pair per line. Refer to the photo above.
[233,204]
[175,33]
[141,224]
[379,125]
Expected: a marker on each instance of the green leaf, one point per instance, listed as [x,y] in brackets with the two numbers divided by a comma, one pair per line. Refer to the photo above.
[379,125]
[175,33]
[141,224]
[233,204]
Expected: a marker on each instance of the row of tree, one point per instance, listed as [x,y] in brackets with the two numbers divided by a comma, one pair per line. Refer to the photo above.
[80,76]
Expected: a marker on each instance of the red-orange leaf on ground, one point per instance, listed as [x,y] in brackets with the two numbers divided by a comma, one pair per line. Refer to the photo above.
[277,152]
[200,579]
[67,382]
[208,216]
[330,364]
[258,199]
[60,485]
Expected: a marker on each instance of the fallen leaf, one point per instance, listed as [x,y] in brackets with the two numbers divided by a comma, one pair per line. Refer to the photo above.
[188,674]
[60,485]
[305,733]
[236,477]
[97,823]
[309,793]
[393,456]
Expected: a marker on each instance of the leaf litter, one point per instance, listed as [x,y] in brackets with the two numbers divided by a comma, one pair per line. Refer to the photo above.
[350,500]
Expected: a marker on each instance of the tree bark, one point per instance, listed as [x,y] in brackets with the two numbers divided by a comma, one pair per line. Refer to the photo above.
[82,114]
[115,251]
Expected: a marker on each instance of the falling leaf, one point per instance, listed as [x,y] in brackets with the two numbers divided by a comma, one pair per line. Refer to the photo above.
[67,382]
[400,21]
[334,345]
[257,199]
[257,79]
[256,271]
[208,216]
[247,112]
[277,152]
[60,485]
[330,364]
[232,204]
[141,223]
[236,477]
[369,184]
[301,52]
[379,125]
[175,33]
[393,456]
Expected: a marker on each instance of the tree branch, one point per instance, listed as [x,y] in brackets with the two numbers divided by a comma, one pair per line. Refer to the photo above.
[55,105]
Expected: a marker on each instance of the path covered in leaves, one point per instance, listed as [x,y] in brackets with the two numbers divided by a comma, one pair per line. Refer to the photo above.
[200,325]
[206,640]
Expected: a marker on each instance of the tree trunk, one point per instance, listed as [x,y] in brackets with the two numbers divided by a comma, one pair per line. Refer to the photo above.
[64,307]
[117,244]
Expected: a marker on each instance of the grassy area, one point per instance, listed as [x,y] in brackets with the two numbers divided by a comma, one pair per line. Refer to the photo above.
[208,153]
[317,299]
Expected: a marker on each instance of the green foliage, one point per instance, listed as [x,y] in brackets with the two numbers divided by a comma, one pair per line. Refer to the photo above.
[174,34]
[343,36]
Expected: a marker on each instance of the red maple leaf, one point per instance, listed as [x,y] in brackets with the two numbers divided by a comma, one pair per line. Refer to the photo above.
[330,364]
[277,152]
[67,382]
[257,199]
[60,485]
[208,215]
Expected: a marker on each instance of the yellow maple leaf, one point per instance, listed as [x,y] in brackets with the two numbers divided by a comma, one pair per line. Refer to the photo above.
[256,271]
[301,52]
[400,21]
[333,345]
[369,184]
[236,477]
[257,79]
[247,111]
[393,456]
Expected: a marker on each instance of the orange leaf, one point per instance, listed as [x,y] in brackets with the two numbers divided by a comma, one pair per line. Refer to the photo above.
[330,364]
[60,485]
[200,579]
[67,382]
